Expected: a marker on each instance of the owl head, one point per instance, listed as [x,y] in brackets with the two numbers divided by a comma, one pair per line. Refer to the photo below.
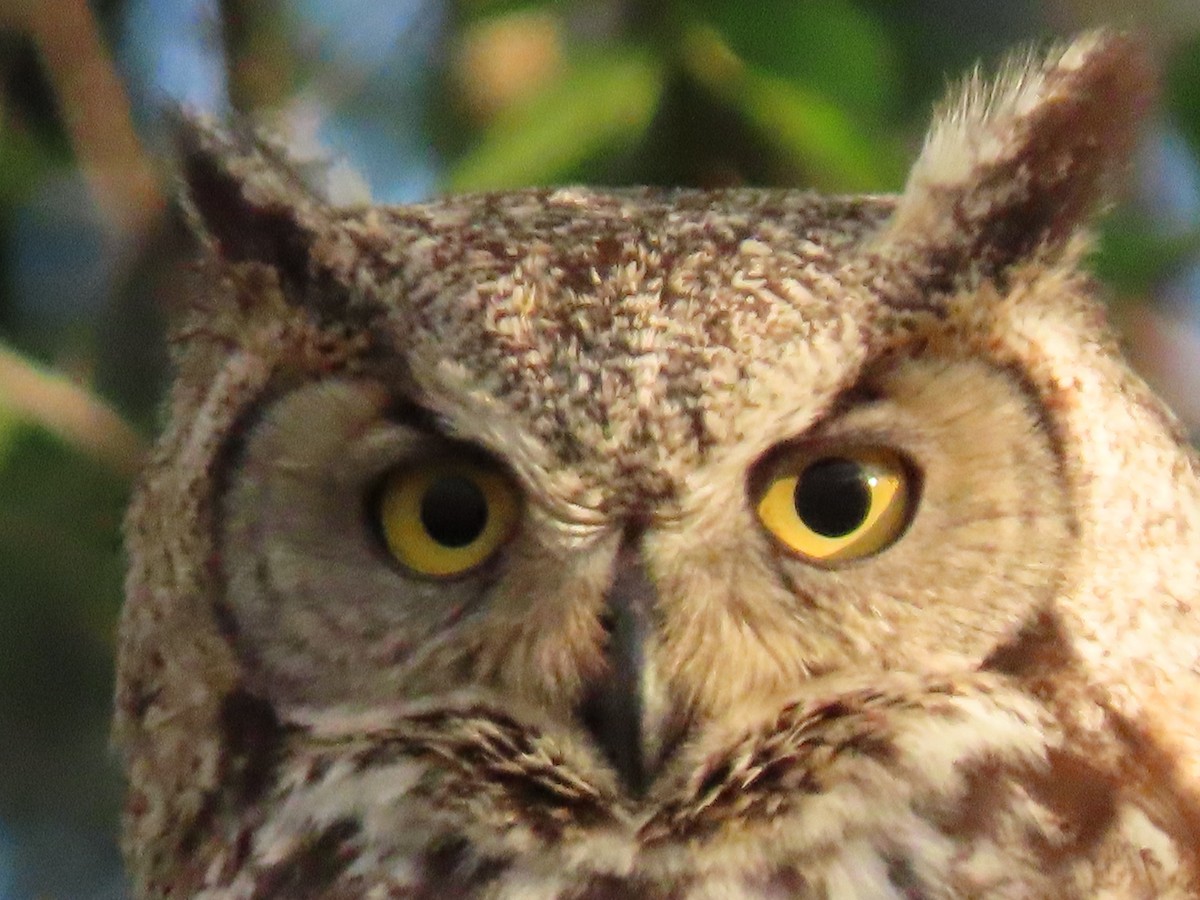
[559,539]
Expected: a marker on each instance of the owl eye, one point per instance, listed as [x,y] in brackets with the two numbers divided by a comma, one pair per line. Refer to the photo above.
[446,518]
[837,507]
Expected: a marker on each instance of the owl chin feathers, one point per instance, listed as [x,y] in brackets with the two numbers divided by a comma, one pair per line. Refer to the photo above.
[569,545]
[898,786]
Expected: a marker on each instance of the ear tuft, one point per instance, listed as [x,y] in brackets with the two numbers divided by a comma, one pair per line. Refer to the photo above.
[1014,168]
[245,198]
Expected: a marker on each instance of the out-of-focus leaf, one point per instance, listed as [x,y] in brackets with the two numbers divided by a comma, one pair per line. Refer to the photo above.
[10,430]
[837,154]
[603,102]
[472,10]
[1133,255]
[60,517]
[1183,90]
[23,161]
[59,531]
[834,150]
[832,47]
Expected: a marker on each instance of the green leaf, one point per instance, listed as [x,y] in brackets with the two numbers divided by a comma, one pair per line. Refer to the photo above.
[837,154]
[604,101]
[10,431]
[476,10]
[1133,255]
[831,47]
[60,524]
[60,590]
[24,161]
[1183,90]
[835,151]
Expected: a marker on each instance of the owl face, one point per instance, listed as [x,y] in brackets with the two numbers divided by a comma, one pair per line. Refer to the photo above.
[568,543]
[583,503]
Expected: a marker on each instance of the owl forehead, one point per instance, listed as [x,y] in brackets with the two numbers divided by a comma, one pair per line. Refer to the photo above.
[627,334]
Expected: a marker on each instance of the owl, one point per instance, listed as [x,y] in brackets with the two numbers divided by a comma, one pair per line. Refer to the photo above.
[569,544]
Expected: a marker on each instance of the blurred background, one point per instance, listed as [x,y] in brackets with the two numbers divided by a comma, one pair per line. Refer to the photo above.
[422,96]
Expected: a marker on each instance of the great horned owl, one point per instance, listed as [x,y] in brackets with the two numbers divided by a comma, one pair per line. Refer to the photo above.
[670,544]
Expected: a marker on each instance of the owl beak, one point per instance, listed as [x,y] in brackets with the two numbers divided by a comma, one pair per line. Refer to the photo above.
[615,706]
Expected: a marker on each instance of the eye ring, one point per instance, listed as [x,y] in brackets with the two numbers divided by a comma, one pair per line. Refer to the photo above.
[440,519]
[835,506]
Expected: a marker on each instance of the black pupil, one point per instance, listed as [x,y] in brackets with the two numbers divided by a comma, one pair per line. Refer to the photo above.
[454,511]
[833,497]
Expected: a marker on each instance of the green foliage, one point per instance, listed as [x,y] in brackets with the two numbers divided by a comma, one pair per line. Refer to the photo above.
[815,82]
[808,129]
[832,49]
[23,162]
[604,102]
[1134,256]
[10,433]
[1183,90]
[59,529]
[59,592]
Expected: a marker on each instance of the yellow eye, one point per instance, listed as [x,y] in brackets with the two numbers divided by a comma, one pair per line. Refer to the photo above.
[446,518]
[837,507]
